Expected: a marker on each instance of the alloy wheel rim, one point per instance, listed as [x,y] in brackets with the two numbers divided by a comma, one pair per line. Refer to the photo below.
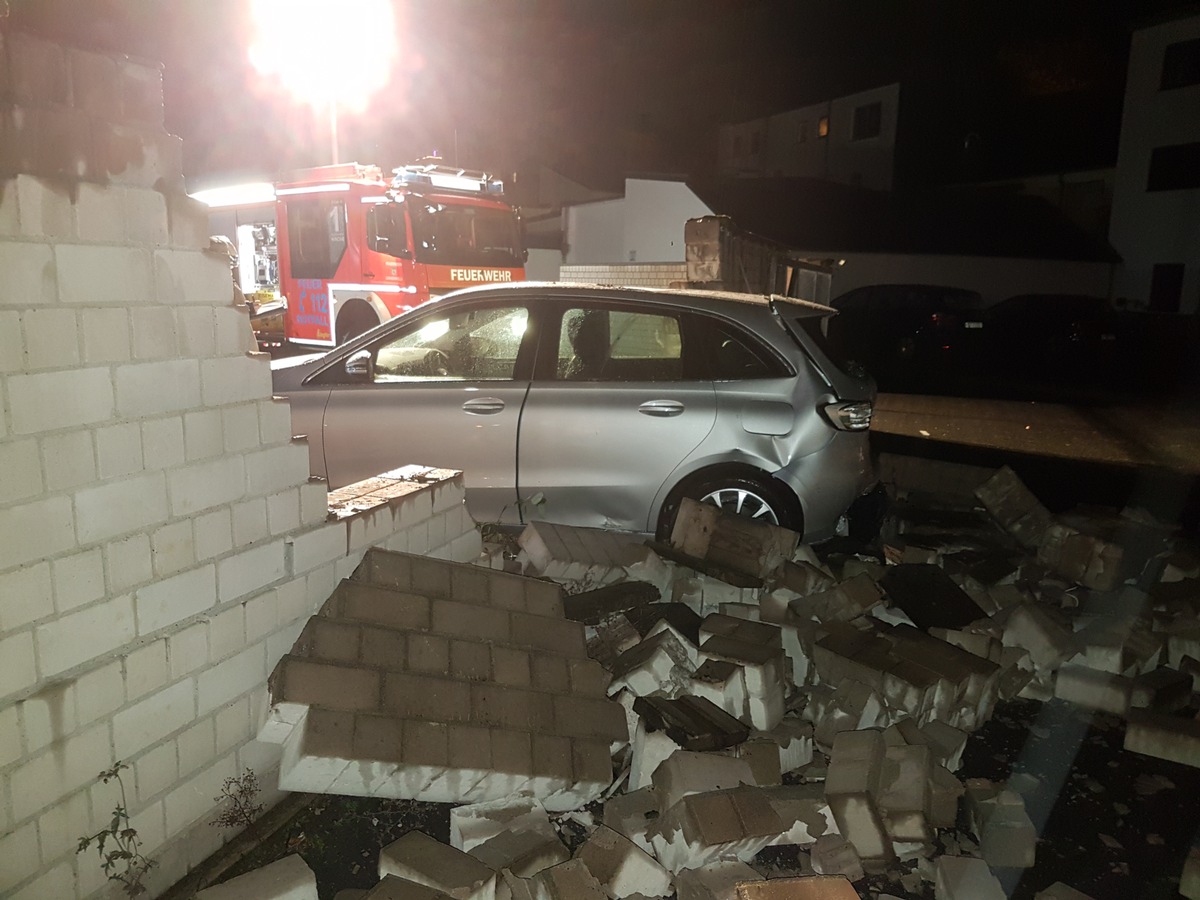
[742,502]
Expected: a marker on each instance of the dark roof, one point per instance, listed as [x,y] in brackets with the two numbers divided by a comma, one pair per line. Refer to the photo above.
[824,217]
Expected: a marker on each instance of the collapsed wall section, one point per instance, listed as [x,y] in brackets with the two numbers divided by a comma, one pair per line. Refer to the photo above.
[161,544]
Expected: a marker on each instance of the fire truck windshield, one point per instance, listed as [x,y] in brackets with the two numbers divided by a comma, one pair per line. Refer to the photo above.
[461,234]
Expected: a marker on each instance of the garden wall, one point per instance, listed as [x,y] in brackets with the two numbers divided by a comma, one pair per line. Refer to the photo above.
[161,544]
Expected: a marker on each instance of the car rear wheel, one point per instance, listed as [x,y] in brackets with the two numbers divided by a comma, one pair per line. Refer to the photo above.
[757,497]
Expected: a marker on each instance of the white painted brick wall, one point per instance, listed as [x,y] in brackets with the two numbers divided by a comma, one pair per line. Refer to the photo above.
[52,400]
[116,508]
[119,450]
[151,389]
[78,579]
[25,596]
[28,274]
[22,468]
[104,276]
[94,631]
[161,546]
[106,335]
[51,338]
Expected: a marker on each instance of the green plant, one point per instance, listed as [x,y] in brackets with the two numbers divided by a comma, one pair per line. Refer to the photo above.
[240,791]
[118,845]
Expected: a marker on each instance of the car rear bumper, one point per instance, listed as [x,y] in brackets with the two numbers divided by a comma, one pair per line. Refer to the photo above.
[829,481]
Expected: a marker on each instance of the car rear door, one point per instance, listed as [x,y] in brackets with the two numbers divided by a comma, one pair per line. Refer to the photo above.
[611,414]
[444,390]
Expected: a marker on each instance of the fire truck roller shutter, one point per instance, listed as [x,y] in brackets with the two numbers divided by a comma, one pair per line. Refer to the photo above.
[357,312]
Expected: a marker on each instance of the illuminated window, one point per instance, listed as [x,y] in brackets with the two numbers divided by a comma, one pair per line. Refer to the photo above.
[823,126]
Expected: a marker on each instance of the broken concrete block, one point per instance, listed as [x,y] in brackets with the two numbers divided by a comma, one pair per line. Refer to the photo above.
[794,738]
[850,788]
[1032,629]
[592,607]
[715,881]
[722,683]
[929,597]
[1094,690]
[393,887]
[721,824]
[685,772]
[566,881]
[1060,891]
[803,805]
[1007,837]
[425,860]
[621,867]
[593,556]
[1163,736]
[832,854]
[1163,690]
[632,814]
[1084,558]
[473,823]
[804,577]
[944,792]
[763,756]
[1189,880]
[903,794]
[855,596]
[648,750]
[522,852]
[762,671]
[693,723]
[735,542]
[946,743]
[289,878]
[660,663]
[1013,505]
[805,887]
[963,878]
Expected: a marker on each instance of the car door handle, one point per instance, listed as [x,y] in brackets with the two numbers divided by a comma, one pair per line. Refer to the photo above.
[483,406]
[661,409]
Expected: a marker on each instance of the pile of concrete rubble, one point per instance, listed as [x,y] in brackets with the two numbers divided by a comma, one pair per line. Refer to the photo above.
[775,696]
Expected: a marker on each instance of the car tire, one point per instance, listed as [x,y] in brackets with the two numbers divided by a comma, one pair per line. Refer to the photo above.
[354,319]
[759,497]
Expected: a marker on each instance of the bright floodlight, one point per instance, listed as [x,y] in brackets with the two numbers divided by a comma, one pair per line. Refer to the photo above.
[325,52]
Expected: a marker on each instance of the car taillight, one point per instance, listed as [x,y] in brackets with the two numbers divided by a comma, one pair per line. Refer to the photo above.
[853,416]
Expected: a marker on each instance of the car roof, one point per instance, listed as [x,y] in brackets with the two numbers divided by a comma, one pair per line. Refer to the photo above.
[675,296]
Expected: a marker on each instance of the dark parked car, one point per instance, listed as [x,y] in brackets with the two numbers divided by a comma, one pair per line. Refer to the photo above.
[1059,338]
[907,334]
[608,404]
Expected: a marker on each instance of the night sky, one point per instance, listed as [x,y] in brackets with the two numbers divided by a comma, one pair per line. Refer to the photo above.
[602,88]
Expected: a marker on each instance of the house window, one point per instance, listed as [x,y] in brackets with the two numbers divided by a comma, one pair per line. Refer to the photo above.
[1174,168]
[823,126]
[1166,287]
[868,121]
[802,133]
[1181,65]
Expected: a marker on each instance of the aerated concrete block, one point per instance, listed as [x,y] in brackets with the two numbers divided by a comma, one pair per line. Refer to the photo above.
[285,879]
[715,881]
[1163,736]
[648,751]
[473,823]
[804,806]
[633,814]
[524,853]
[713,825]
[805,887]
[1094,690]
[395,888]
[418,857]
[621,867]
[851,785]
[962,878]
[686,772]
[566,881]
[832,854]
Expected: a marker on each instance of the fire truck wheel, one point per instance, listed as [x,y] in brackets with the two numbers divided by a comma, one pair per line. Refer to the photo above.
[354,320]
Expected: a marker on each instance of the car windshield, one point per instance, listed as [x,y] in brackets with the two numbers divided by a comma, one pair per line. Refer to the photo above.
[460,234]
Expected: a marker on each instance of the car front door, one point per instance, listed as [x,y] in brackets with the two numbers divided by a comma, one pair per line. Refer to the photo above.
[445,389]
[610,415]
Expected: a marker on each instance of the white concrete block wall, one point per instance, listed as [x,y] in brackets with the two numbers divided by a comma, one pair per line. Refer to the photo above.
[161,545]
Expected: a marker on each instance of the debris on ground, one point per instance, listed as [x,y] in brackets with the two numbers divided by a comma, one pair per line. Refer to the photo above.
[734,714]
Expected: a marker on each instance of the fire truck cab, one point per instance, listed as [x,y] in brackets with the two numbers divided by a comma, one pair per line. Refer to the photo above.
[354,249]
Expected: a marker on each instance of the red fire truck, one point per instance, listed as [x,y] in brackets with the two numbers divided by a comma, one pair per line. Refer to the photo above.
[348,249]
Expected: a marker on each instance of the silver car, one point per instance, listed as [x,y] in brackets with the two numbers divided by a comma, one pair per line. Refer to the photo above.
[599,406]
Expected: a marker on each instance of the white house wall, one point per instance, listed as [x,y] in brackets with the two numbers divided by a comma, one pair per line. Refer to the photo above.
[646,226]
[1152,227]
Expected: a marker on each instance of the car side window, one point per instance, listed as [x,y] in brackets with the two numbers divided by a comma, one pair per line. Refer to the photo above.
[474,345]
[619,345]
[733,355]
